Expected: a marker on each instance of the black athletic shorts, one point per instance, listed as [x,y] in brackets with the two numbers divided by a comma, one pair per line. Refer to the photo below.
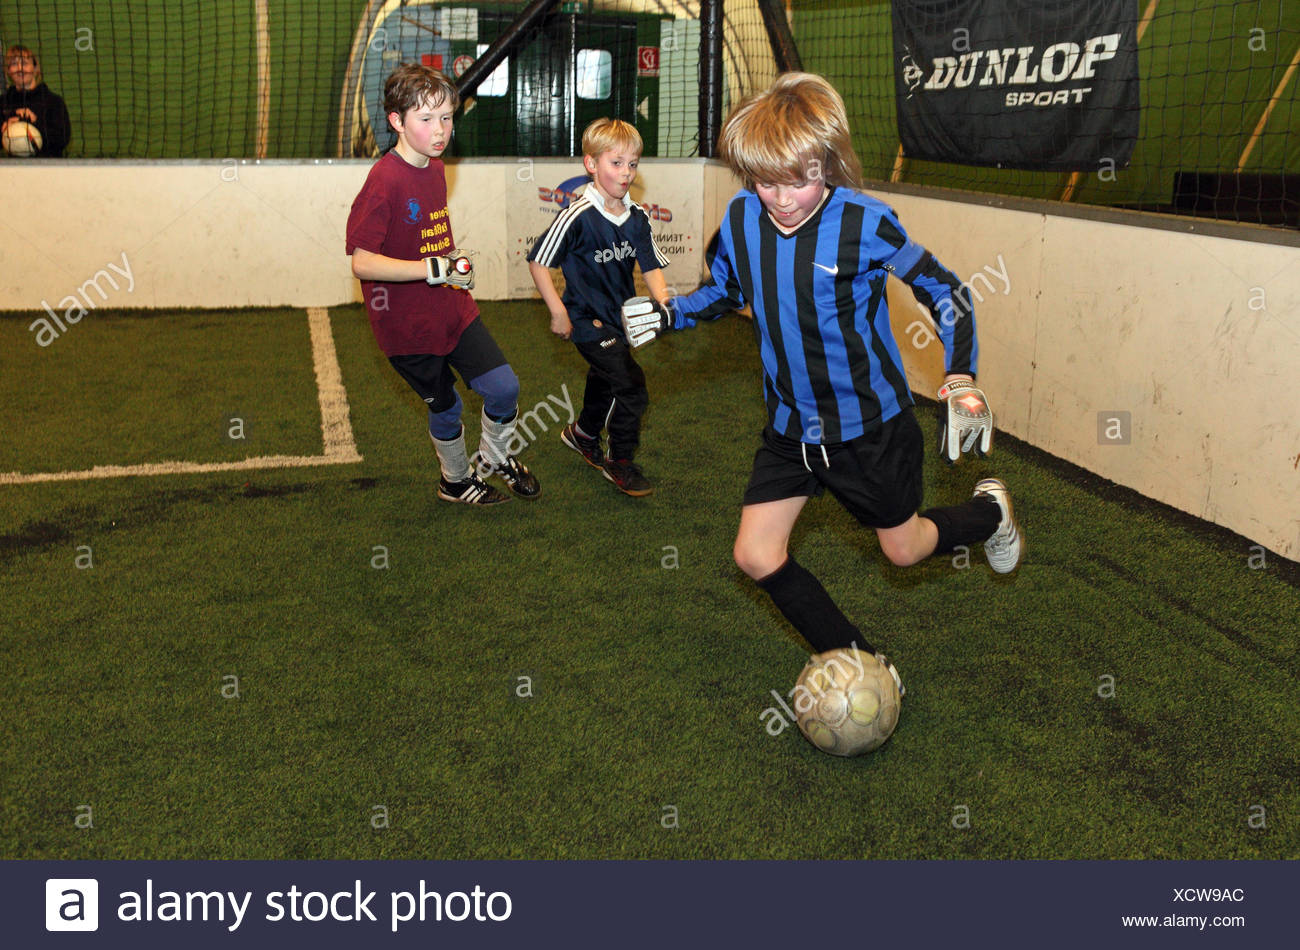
[475,354]
[876,477]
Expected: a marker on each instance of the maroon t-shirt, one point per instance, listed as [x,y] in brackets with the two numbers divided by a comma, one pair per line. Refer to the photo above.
[401,212]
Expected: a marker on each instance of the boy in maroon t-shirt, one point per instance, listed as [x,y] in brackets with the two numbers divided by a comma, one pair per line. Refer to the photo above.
[416,291]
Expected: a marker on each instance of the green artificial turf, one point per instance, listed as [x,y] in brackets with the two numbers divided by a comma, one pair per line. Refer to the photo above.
[1128,693]
[145,386]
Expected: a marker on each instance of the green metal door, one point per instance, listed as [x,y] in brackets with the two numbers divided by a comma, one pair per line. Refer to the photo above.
[575,68]
[603,73]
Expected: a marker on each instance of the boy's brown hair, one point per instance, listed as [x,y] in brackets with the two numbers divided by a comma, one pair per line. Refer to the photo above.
[794,131]
[17,50]
[411,84]
[604,134]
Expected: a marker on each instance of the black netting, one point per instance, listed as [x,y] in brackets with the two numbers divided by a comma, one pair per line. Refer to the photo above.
[1215,123]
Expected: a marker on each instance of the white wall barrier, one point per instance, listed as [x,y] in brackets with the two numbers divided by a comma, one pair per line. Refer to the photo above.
[1162,360]
[1159,359]
[235,234]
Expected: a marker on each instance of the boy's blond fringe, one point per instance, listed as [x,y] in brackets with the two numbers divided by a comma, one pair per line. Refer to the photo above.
[794,131]
[604,134]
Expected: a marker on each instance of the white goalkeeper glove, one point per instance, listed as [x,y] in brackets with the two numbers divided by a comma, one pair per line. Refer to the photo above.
[643,320]
[457,271]
[965,420]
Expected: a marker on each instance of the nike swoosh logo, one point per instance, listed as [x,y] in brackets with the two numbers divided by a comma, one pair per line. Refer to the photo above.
[829,270]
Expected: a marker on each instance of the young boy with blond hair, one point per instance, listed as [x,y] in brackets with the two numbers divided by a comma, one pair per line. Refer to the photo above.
[811,254]
[596,242]
[416,288]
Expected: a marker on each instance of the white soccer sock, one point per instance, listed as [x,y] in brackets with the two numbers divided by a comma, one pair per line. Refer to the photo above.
[452,457]
[495,440]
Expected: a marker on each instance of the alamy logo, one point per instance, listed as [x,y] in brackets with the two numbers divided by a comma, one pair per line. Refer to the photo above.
[607,254]
[71,903]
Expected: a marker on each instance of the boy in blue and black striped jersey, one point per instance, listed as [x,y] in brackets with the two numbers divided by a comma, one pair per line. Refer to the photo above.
[811,255]
[597,241]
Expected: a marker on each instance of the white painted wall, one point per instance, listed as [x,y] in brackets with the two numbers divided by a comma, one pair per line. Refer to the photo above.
[1196,337]
[196,234]
[227,234]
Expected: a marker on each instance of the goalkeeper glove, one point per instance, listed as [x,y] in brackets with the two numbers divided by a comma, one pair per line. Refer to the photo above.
[965,420]
[457,271]
[643,320]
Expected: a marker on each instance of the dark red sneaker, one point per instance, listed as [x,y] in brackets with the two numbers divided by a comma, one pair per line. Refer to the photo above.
[589,449]
[625,474]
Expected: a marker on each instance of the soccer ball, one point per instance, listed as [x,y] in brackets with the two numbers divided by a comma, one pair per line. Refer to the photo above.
[846,702]
[22,139]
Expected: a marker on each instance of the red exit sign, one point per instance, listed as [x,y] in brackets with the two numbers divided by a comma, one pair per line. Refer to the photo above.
[647,61]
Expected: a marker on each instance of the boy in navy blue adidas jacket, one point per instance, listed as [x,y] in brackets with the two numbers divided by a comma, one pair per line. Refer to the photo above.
[596,242]
[811,254]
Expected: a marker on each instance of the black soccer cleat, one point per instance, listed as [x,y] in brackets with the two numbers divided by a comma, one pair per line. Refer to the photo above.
[472,491]
[514,472]
[625,474]
[589,449]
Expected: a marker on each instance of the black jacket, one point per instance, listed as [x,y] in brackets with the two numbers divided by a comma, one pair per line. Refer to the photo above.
[51,116]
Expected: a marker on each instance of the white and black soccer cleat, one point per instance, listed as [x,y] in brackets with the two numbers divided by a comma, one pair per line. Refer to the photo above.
[472,491]
[512,471]
[1006,545]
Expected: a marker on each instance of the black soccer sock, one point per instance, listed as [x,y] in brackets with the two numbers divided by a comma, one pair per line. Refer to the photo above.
[804,602]
[964,524]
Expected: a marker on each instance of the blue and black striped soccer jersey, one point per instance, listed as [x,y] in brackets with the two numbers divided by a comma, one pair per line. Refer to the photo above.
[831,365]
[596,252]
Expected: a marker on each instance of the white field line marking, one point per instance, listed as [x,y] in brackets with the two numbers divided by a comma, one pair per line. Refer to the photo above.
[336,428]
[335,419]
